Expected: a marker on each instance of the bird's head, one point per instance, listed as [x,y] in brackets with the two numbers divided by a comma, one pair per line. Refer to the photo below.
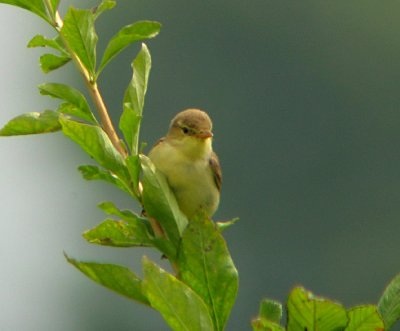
[191,130]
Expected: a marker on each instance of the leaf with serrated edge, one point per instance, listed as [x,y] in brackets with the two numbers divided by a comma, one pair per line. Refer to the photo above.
[389,303]
[127,35]
[179,305]
[307,312]
[32,123]
[364,318]
[72,96]
[79,33]
[114,277]
[207,267]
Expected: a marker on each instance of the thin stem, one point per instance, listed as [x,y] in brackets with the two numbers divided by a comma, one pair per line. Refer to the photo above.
[104,117]
[158,230]
[95,94]
[103,113]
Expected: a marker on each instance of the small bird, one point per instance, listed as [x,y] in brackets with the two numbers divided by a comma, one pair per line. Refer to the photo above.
[186,158]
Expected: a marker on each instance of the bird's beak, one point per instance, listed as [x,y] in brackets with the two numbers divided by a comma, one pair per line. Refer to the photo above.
[204,134]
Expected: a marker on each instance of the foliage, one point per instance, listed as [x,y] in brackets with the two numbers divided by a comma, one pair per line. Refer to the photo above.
[201,291]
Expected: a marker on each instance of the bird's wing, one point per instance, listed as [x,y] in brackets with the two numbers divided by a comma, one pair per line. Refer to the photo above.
[216,170]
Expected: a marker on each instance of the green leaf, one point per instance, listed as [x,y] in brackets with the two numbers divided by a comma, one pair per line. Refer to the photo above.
[133,164]
[262,324]
[104,5]
[79,33]
[364,318]
[129,125]
[166,247]
[160,203]
[90,172]
[207,267]
[110,209]
[32,123]
[120,233]
[307,312]
[50,62]
[127,35]
[95,142]
[271,310]
[35,6]
[222,226]
[134,99]
[114,277]
[76,103]
[389,303]
[180,307]
[54,6]
[270,315]
[41,41]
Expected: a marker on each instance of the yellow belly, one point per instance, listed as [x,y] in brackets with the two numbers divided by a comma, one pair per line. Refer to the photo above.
[190,179]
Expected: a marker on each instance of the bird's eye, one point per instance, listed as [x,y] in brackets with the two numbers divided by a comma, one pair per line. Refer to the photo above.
[185,130]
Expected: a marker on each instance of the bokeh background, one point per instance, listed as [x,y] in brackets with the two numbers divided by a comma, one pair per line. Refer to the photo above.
[305,101]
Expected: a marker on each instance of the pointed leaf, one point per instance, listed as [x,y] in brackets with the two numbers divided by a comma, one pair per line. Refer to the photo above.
[90,172]
[222,226]
[389,303]
[160,203]
[134,99]
[114,277]
[271,310]
[96,143]
[80,107]
[364,318]
[41,41]
[120,233]
[207,267]
[307,312]
[180,307]
[111,209]
[127,35]
[32,123]
[78,31]
[50,62]
[35,6]
[104,5]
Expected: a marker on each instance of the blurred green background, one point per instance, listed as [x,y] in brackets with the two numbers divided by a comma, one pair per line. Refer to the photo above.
[305,101]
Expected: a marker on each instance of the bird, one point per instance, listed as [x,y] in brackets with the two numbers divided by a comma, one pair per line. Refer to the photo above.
[186,158]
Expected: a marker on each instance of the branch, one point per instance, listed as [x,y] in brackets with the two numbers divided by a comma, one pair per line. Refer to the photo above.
[95,94]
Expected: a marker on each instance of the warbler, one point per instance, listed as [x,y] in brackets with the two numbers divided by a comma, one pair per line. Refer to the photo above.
[186,158]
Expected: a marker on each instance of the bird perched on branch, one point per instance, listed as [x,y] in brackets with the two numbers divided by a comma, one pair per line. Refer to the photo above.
[186,158]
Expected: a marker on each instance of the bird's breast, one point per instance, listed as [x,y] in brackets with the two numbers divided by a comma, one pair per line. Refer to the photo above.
[191,180]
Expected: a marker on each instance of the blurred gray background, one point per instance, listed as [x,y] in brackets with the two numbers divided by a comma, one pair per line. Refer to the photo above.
[305,101]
